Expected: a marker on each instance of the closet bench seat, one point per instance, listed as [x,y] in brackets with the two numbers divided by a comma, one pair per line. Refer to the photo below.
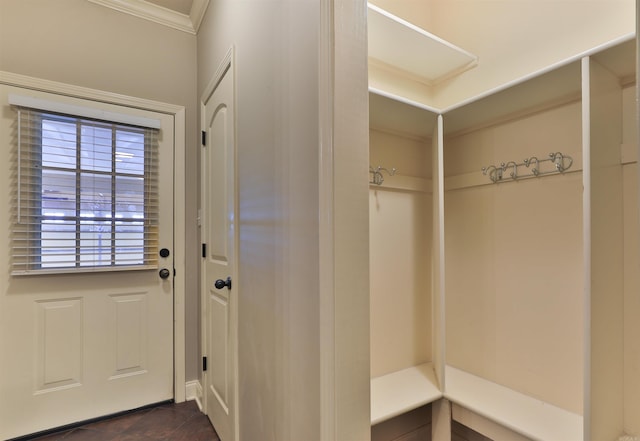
[402,391]
[513,410]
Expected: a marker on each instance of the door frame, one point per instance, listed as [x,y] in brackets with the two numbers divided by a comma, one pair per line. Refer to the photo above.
[179,188]
[226,67]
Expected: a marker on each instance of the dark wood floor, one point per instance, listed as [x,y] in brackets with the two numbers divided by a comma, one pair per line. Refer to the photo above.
[166,422]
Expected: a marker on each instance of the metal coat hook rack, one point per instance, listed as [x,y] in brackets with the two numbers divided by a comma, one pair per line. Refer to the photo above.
[377,177]
[535,167]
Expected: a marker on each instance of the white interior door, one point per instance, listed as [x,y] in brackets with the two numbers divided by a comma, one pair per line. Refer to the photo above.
[219,268]
[80,345]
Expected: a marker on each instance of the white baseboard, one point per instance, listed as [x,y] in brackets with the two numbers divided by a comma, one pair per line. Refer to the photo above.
[194,392]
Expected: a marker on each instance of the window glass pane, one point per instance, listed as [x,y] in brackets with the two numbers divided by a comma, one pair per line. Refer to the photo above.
[129,197]
[58,193]
[58,144]
[95,148]
[58,242]
[95,196]
[129,243]
[129,152]
[95,243]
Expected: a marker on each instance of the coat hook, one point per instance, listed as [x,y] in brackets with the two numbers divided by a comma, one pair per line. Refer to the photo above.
[560,161]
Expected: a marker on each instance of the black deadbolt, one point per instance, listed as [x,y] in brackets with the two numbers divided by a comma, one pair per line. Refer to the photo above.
[164,252]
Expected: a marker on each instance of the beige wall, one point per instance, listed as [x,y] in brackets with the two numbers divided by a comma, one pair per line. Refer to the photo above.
[84,44]
[400,256]
[514,261]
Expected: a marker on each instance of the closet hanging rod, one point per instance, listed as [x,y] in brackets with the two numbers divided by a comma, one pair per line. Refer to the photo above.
[535,168]
[377,177]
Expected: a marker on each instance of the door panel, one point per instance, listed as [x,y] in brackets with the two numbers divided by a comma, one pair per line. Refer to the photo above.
[218,230]
[79,346]
[129,312]
[58,356]
[219,325]
[219,233]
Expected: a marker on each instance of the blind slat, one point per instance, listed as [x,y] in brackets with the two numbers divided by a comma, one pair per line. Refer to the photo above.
[86,194]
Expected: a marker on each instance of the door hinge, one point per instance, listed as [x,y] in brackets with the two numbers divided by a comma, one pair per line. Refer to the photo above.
[204,364]
[204,250]
[204,138]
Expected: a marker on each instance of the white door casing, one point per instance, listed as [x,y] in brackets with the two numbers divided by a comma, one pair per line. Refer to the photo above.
[79,346]
[219,234]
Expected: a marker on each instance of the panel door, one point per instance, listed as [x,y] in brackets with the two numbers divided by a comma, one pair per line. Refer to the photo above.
[219,268]
[81,345]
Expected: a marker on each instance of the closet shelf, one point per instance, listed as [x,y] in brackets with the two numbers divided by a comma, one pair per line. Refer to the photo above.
[402,391]
[523,414]
[401,45]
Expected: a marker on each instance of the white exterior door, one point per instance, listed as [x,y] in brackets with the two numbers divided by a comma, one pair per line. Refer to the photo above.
[219,268]
[81,345]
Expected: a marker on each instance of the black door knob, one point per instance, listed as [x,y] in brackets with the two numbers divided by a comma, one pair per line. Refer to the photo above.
[219,284]
[164,273]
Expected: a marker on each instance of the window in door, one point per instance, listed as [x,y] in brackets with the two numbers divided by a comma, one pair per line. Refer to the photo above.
[85,194]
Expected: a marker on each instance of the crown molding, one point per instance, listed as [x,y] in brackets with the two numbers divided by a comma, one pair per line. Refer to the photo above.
[157,14]
[198,8]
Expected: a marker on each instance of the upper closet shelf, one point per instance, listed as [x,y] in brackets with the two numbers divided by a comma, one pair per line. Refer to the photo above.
[402,45]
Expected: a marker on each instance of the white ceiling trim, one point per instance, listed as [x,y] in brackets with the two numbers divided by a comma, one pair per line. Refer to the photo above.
[198,8]
[158,14]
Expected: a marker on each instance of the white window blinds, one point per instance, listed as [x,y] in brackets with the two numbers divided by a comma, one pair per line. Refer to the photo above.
[86,194]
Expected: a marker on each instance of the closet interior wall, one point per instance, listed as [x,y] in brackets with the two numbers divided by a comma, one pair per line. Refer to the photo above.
[400,255]
[400,265]
[515,318]
[549,298]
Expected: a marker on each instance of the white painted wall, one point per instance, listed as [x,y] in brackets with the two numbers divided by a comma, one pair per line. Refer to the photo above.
[285,354]
[84,44]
